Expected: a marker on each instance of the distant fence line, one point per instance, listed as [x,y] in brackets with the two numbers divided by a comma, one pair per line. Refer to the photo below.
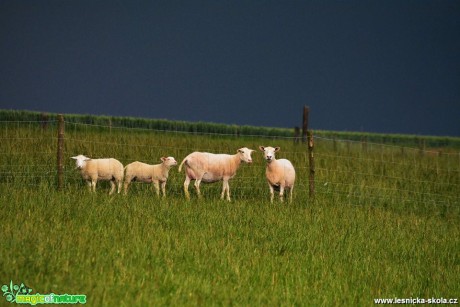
[364,143]
[342,168]
[115,122]
[150,124]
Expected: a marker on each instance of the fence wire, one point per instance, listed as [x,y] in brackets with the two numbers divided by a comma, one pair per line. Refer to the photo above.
[348,171]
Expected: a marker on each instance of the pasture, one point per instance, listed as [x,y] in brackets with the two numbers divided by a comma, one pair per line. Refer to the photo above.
[384,223]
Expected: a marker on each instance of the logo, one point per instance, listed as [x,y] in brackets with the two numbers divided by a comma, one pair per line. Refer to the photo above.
[21,294]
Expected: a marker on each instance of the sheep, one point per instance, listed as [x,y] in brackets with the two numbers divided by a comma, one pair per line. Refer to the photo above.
[142,172]
[280,173]
[209,167]
[93,170]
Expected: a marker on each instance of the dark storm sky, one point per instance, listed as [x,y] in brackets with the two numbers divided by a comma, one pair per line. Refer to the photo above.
[379,66]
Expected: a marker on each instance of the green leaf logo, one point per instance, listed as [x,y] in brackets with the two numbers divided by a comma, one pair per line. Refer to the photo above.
[10,292]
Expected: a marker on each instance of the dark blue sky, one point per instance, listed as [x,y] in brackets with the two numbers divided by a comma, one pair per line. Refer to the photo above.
[379,66]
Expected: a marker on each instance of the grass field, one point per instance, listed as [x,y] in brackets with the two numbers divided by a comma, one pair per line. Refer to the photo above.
[384,223]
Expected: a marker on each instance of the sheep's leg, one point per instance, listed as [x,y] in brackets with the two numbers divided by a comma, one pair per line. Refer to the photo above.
[163,188]
[112,187]
[225,188]
[88,184]
[272,192]
[281,193]
[157,187]
[127,182]
[290,194]
[93,185]
[197,186]
[186,183]
[120,184]
[228,191]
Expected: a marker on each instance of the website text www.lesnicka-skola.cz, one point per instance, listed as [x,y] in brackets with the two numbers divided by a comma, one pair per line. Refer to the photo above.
[416,300]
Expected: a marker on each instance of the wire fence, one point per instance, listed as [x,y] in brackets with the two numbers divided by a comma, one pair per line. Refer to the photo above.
[357,172]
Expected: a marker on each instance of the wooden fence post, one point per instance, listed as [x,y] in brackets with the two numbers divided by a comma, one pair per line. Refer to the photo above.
[306,111]
[60,152]
[311,161]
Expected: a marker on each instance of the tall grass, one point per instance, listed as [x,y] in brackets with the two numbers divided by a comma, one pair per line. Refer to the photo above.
[383,223]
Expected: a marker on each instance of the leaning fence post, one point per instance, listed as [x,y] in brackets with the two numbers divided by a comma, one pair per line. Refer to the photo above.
[311,161]
[60,152]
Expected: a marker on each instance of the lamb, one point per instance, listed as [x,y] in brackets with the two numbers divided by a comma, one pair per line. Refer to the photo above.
[209,167]
[280,173]
[142,172]
[93,170]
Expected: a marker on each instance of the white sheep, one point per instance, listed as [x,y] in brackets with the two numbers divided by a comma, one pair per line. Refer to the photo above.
[208,167]
[142,172]
[93,170]
[280,173]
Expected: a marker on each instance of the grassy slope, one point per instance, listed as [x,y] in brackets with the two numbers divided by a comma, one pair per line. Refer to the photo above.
[384,223]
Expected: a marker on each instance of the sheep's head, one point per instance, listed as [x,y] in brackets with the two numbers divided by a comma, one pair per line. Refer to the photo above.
[269,152]
[80,161]
[169,161]
[245,154]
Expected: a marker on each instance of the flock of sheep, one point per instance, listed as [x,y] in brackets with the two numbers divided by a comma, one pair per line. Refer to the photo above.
[199,166]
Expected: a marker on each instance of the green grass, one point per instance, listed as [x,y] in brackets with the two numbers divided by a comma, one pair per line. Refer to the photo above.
[137,250]
[384,223]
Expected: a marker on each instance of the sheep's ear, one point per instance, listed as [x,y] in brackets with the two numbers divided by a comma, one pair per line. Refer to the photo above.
[163,159]
[75,158]
[277,148]
[262,148]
